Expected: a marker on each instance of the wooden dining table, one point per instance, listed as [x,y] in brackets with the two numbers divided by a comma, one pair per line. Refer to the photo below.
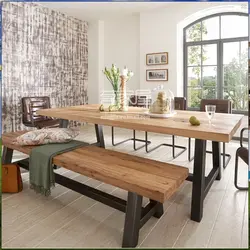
[222,129]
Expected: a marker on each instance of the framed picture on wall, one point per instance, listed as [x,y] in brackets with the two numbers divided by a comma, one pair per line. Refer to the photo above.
[155,75]
[157,58]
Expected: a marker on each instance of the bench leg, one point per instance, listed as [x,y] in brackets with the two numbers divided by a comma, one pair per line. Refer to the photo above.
[159,209]
[99,135]
[7,155]
[132,220]
[64,123]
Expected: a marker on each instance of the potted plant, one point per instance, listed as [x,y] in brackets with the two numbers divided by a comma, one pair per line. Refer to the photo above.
[114,75]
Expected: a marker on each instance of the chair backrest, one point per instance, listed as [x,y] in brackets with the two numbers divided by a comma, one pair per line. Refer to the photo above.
[139,101]
[133,101]
[222,106]
[180,103]
[29,107]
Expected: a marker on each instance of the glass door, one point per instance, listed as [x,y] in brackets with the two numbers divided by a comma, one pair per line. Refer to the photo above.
[235,64]
[202,75]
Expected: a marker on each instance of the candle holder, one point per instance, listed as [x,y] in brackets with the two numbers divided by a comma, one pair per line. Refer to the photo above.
[123,104]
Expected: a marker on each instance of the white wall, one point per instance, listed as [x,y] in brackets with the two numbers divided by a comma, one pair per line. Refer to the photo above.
[126,41]
[95,61]
[121,46]
[115,41]
[162,30]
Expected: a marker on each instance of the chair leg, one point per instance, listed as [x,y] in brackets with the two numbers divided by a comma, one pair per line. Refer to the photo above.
[173,146]
[236,172]
[130,139]
[224,155]
[139,140]
[113,138]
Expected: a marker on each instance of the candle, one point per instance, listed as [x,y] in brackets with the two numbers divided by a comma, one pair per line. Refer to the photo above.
[125,71]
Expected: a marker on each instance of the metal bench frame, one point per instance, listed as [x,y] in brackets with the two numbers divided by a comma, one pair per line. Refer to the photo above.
[136,214]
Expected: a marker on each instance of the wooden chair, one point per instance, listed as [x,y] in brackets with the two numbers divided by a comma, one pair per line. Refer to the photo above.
[30,118]
[222,106]
[180,104]
[134,101]
[243,153]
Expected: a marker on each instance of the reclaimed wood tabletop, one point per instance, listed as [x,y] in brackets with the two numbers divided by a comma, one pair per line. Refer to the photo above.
[222,128]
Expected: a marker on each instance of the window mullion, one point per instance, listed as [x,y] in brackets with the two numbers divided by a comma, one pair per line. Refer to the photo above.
[201,30]
[201,72]
[240,63]
[220,77]
[185,62]
[219,27]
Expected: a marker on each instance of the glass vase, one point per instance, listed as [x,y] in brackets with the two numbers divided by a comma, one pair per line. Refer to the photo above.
[117,99]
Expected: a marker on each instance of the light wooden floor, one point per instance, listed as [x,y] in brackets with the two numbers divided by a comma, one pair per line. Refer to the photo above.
[69,220]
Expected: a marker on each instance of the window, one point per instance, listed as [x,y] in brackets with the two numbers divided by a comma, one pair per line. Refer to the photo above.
[216,60]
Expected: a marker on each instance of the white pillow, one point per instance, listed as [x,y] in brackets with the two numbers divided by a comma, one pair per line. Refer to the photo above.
[46,136]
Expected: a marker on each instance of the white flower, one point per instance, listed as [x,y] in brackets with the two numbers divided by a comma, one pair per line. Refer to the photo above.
[114,68]
[130,73]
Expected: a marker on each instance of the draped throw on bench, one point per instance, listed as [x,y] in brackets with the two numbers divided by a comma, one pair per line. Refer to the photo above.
[40,164]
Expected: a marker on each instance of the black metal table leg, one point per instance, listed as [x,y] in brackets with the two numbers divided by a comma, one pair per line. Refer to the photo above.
[225,162]
[189,150]
[216,158]
[99,135]
[198,180]
[7,155]
[64,123]
[132,220]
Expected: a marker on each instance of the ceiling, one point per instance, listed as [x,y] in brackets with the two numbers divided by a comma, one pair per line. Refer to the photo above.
[90,11]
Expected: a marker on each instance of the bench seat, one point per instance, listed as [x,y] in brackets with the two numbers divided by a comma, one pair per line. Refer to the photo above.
[141,177]
[149,178]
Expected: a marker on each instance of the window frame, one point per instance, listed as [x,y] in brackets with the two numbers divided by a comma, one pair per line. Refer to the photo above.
[219,43]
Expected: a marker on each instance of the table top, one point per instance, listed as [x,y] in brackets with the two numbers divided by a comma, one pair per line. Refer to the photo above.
[222,129]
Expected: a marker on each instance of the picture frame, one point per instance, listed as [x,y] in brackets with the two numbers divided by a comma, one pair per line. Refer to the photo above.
[156,75]
[160,58]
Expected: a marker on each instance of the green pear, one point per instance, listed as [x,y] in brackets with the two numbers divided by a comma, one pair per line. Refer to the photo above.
[113,108]
[101,108]
[194,121]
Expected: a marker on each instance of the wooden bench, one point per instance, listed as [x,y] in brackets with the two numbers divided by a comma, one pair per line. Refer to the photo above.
[139,176]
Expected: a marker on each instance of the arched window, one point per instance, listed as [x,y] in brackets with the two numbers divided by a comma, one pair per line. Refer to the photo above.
[216,60]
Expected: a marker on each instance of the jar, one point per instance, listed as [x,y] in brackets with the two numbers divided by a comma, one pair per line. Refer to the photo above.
[162,101]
